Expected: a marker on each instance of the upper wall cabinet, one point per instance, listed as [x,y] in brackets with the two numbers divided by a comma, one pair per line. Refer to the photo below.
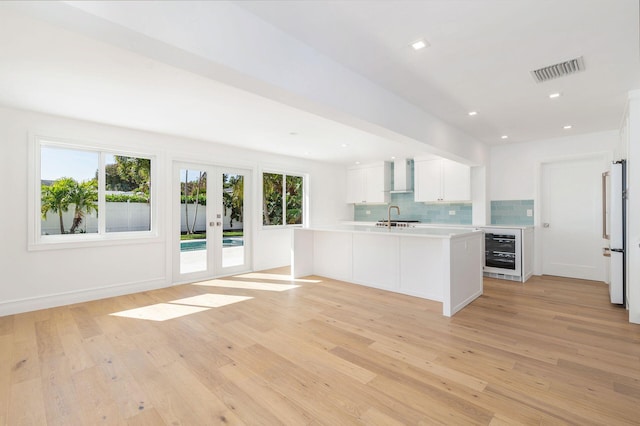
[441,180]
[370,183]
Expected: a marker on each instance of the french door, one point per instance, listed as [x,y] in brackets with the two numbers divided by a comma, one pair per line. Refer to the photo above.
[210,212]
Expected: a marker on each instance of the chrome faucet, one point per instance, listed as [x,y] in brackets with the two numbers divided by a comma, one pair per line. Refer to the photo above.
[389,215]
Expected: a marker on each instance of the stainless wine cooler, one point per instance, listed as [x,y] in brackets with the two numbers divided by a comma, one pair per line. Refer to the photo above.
[503,251]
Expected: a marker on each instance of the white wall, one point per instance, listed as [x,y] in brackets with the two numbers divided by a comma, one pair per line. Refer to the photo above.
[513,171]
[37,279]
[481,206]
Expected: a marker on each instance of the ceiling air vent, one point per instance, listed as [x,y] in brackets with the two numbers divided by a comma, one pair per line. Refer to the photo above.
[571,66]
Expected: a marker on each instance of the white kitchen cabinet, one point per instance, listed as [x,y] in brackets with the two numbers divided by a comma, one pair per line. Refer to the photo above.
[369,183]
[444,265]
[441,180]
[418,259]
[355,185]
[527,253]
[375,260]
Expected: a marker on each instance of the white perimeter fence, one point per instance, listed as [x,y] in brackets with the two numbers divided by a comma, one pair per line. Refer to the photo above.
[127,217]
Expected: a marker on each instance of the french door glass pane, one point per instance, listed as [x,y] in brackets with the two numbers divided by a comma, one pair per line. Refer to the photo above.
[233,227]
[193,221]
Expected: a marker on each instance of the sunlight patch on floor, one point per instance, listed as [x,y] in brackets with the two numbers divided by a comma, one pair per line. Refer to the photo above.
[160,312]
[279,277]
[181,307]
[194,304]
[248,285]
[211,300]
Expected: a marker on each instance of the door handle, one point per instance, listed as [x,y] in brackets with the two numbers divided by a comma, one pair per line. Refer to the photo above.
[606,252]
[545,225]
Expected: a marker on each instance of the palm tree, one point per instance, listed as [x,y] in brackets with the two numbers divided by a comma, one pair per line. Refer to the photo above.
[272,199]
[55,198]
[191,191]
[233,196]
[85,196]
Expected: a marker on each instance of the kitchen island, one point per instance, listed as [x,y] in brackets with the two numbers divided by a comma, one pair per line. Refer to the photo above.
[440,264]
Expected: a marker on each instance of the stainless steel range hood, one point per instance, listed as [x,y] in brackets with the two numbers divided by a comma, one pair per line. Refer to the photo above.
[402,179]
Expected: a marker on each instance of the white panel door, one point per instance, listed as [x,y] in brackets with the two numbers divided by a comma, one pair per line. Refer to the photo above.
[571,217]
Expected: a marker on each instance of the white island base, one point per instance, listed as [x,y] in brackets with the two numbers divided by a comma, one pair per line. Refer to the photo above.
[440,264]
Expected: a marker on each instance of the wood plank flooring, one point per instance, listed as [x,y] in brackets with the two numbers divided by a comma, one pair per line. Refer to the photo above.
[266,350]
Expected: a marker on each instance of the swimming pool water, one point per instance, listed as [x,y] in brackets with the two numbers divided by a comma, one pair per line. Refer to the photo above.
[194,245]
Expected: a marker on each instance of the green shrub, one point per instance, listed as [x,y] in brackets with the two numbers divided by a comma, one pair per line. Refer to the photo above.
[124,198]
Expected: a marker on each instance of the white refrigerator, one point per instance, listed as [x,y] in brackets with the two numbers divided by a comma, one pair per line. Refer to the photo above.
[616,200]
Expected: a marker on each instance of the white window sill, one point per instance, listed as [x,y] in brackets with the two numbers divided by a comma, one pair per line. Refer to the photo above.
[65,242]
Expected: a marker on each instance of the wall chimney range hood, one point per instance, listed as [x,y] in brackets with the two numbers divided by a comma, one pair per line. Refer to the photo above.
[402,179]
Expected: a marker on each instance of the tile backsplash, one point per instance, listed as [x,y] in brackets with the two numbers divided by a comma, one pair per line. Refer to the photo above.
[503,212]
[410,210]
[512,212]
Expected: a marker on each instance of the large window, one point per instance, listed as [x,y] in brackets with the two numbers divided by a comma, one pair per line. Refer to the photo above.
[91,192]
[282,199]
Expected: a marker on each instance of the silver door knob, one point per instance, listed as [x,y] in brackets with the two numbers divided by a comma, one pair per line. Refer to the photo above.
[545,225]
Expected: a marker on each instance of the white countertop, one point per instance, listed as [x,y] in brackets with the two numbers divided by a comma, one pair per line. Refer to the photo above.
[433,232]
[437,225]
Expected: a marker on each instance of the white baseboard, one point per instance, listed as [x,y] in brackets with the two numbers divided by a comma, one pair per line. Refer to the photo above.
[67,298]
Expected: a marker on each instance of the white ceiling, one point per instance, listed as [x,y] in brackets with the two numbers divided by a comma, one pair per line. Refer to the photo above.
[480,56]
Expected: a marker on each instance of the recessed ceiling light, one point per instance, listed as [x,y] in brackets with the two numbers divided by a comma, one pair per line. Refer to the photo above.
[567,127]
[393,157]
[554,95]
[344,145]
[419,44]
[504,137]
[472,113]
[307,153]
[357,162]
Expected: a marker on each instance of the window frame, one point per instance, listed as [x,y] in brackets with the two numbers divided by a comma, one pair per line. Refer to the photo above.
[37,241]
[284,175]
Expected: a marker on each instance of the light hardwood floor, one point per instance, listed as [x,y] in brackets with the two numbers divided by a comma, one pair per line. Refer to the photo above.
[551,351]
